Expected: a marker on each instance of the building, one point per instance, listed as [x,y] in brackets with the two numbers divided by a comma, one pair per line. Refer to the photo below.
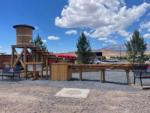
[5,60]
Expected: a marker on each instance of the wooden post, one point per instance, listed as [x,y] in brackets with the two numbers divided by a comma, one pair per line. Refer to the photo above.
[25,60]
[26,71]
[46,67]
[25,54]
[12,57]
[128,77]
[102,75]
[80,74]
[70,72]
[41,72]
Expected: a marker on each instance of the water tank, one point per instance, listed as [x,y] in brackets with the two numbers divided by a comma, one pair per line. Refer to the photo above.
[23,34]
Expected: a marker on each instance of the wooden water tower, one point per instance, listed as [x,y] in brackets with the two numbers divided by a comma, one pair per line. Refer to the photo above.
[24,43]
[29,51]
[24,34]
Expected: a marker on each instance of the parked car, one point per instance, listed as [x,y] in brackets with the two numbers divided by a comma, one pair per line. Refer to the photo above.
[96,61]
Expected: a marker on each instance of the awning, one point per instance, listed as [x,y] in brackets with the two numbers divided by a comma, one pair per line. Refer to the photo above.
[66,55]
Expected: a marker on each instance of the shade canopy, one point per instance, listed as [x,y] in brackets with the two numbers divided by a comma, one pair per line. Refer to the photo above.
[66,55]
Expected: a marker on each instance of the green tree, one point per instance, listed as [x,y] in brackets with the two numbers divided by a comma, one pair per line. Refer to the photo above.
[83,50]
[38,42]
[136,48]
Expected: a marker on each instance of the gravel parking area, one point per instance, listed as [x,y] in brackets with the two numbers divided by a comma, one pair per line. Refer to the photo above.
[114,96]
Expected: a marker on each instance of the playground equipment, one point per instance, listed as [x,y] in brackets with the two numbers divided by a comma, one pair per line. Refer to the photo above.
[25,52]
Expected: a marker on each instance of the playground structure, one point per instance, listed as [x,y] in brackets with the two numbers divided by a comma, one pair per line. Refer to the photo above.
[26,54]
[59,67]
[35,61]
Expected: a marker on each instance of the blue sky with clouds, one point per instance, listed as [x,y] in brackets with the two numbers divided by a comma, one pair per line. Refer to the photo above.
[60,22]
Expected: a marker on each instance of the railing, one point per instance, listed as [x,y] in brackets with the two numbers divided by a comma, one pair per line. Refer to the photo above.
[63,69]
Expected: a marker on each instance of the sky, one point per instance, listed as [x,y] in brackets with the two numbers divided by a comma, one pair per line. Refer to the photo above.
[60,22]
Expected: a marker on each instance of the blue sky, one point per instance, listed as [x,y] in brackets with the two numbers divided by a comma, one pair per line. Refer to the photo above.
[60,22]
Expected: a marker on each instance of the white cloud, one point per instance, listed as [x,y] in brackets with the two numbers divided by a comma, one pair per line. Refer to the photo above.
[44,41]
[111,41]
[103,39]
[71,32]
[145,25]
[103,17]
[53,38]
[147,35]
[87,33]
[124,33]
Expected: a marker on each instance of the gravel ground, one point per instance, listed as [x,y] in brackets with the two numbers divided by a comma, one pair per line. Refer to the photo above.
[114,96]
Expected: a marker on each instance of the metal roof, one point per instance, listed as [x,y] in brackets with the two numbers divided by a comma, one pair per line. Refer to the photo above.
[24,25]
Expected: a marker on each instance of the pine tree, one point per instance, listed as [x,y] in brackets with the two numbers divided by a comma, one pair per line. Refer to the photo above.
[83,50]
[38,42]
[136,48]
